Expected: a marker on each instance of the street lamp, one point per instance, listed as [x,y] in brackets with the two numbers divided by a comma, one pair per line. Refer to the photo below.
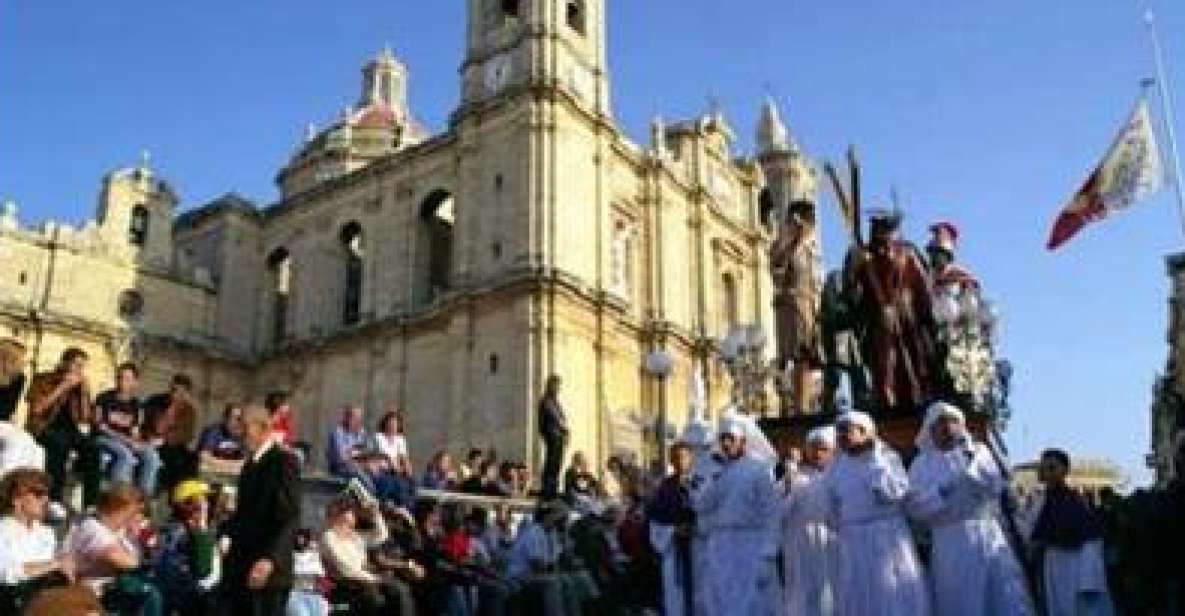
[743,353]
[658,364]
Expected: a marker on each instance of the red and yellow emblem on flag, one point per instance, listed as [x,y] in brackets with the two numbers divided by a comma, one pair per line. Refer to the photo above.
[1130,171]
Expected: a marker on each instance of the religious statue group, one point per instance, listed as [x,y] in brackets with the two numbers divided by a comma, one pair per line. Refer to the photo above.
[844,528]
[904,328]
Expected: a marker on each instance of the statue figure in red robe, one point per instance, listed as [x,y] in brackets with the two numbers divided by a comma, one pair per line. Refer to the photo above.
[891,291]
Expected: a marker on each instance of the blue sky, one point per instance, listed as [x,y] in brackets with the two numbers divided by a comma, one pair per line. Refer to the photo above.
[986,113]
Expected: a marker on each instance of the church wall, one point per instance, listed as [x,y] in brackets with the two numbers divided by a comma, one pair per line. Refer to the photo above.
[577,218]
[229,248]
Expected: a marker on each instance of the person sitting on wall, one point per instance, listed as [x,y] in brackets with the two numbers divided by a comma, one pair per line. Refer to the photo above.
[118,435]
[29,562]
[220,446]
[171,419]
[61,418]
[347,448]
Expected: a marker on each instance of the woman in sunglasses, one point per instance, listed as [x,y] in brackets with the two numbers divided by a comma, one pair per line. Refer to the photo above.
[29,560]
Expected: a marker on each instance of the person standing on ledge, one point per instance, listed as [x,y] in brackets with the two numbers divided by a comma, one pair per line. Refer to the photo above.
[553,427]
[258,575]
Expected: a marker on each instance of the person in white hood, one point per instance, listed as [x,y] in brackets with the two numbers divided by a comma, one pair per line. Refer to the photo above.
[809,546]
[879,573]
[957,488]
[741,501]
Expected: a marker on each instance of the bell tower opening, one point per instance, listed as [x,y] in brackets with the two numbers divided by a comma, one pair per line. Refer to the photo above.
[437,221]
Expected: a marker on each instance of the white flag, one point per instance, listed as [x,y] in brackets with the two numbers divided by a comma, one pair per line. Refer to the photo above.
[1132,169]
[1129,172]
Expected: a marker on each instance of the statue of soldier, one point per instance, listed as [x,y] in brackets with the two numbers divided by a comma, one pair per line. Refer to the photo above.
[961,333]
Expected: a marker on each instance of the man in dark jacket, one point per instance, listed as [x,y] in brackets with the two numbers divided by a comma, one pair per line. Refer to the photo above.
[259,568]
[553,427]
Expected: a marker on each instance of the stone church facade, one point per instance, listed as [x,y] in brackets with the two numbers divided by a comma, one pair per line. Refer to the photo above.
[445,274]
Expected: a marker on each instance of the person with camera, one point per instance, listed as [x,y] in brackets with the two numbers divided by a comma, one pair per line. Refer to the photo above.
[109,555]
[346,552]
[61,419]
[188,565]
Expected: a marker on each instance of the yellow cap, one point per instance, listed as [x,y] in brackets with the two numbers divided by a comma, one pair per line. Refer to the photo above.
[190,488]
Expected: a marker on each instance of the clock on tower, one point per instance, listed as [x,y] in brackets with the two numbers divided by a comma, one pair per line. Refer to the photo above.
[548,43]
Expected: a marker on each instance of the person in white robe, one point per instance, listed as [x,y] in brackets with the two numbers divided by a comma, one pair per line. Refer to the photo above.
[879,573]
[809,544]
[957,487]
[742,502]
[699,436]
[1069,539]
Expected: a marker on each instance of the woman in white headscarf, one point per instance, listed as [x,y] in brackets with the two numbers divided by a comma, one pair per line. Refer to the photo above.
[957,487]
[879,573]
[741,503]
[809,545]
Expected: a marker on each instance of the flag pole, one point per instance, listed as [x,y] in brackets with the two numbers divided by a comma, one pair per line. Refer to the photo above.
[1166,102]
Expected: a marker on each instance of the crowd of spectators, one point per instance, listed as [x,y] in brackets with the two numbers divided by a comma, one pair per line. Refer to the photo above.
[148,537]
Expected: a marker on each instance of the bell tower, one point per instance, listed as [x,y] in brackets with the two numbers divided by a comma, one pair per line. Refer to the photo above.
[789,175]
[384,81]
[516,45]
[136,210]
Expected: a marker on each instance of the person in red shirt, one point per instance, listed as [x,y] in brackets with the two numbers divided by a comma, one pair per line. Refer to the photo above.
[284,424]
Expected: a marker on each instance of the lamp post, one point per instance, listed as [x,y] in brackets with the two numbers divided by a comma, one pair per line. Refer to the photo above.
[658,364]
[743,353]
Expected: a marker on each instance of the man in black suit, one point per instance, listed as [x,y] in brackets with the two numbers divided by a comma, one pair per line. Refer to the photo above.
[553,427]
[258,571]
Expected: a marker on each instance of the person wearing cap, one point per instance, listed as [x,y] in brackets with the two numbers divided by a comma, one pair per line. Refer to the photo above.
[957,488]
[890,288]
[742,503]
[809,545]
[879,571]
[188,565]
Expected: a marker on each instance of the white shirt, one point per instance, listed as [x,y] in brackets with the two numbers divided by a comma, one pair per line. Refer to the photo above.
[87,542]
[22,545]
[347,554]
[18,449]
[391,446]
[267,445]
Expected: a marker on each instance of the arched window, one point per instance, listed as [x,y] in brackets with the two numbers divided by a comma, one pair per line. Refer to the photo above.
[138,226]
[575,15]
[351,239]
[730,309]
[497,12]
[438,217]
[279,264]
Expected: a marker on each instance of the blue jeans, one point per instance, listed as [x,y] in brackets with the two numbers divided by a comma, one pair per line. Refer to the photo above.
[143,460]
[307,603]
